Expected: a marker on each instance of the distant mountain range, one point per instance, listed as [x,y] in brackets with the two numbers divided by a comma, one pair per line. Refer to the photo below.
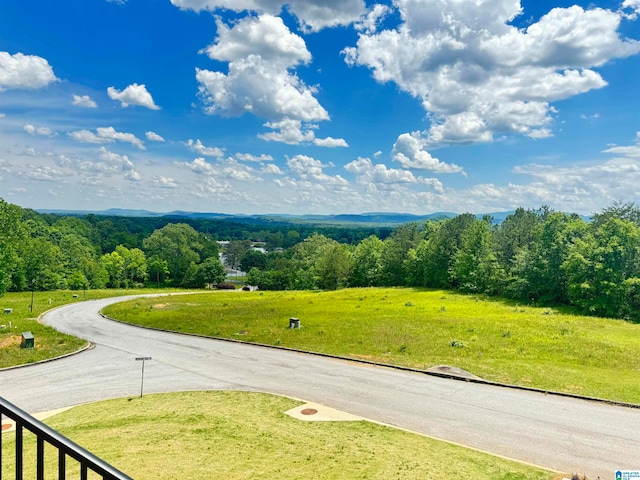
[378,218]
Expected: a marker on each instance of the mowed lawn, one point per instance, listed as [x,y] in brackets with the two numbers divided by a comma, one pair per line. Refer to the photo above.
[492,338]
[239,435]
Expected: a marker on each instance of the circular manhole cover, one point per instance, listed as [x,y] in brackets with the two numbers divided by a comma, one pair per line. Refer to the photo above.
[309,411]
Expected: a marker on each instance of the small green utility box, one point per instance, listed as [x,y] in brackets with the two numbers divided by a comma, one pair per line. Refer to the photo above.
[27,340]
[294,323]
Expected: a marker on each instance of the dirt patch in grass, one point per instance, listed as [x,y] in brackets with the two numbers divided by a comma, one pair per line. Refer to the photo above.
[160,306]
[10,341]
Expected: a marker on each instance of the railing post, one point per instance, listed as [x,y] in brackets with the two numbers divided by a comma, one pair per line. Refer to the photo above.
[40,459]
[62,465]
[18,450]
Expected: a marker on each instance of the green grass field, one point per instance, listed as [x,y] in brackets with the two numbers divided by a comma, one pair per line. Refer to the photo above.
[492,338]
[236,435]
[49,343]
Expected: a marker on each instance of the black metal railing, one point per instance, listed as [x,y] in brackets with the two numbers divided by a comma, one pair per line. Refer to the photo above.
[66,448]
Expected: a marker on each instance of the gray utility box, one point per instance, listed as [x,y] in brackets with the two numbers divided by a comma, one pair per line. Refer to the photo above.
[27,340]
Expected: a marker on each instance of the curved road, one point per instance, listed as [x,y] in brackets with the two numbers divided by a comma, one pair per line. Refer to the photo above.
[559,433]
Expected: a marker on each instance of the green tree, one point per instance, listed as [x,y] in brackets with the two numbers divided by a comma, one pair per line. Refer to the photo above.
[40,265]
[158,269]
[305,260]
[603,268]
[211,271]
[396,252]
[80,255]
[134,267]
[113,263]
[178,245]
[269,279]
[515,233]
[77,281]
[621,210]
[190,279]
[235,251]
[434,258]
[253,258]
[475,267]
[255,276]
[537,272]
[11,234]
[333,266]
[367,263]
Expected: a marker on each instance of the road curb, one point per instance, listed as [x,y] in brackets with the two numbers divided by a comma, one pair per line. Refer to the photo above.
[88,346]
[396,367]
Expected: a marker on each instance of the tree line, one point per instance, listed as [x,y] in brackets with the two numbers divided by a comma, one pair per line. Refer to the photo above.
[49,251]
[538,257]
[39,254]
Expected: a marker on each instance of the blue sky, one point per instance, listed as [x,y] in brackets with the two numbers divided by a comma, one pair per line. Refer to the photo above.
[319,106]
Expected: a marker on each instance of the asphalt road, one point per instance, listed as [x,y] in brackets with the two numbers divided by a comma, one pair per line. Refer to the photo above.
[559,433]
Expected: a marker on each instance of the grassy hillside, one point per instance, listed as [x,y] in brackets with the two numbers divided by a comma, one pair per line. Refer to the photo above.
[492,338]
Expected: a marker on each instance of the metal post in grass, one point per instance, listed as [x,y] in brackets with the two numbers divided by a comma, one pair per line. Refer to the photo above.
[142,378]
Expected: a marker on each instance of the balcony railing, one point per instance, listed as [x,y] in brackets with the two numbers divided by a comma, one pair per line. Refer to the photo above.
[66,448]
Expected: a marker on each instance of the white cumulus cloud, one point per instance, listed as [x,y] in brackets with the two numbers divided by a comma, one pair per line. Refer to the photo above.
[106,135]
[133,95]
[379,173]
[199,165]
[21,71]
[119,161]
[379,176]
[256,86]
[292,132]
[271,169]
[310,169]
[633,5]
[154,137]
[504,78]
[111,133]
[265,35]
[198,147]
[312,15]
[164,182]
[87,136]
[410,153]
[262,54]
[331,142]
[247,157]
[31,130]
[84,101]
